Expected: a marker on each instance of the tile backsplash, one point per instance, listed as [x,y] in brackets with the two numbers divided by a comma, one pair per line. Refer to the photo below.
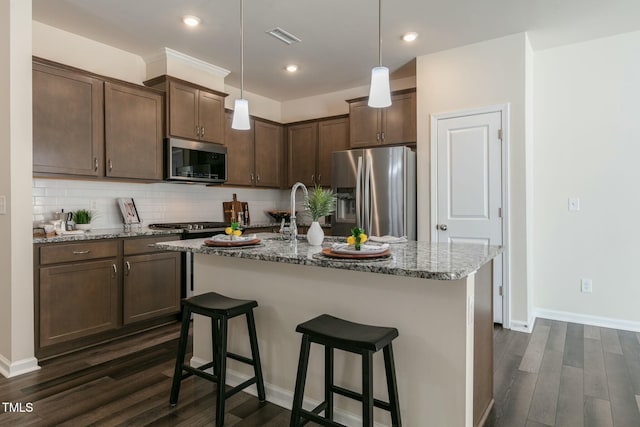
[157,202]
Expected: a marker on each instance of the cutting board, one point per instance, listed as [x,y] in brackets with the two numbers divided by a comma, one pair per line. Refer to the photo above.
[232,208]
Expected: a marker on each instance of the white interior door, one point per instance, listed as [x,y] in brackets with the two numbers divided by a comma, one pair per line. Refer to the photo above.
[469,186]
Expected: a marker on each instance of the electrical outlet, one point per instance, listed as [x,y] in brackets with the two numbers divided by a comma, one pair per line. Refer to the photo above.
[3,205]
[574,204]
[586,286]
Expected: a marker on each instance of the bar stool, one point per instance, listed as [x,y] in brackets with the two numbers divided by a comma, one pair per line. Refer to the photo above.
[220,309]
[365,340]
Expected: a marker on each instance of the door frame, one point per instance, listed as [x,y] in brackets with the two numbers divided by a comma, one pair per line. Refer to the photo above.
[504,110]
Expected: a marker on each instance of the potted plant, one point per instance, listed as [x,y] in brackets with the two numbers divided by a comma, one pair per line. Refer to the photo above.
[319,202]
[82,219]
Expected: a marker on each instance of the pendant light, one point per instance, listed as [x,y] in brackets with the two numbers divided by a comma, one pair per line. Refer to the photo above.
[379,92]
[241,107]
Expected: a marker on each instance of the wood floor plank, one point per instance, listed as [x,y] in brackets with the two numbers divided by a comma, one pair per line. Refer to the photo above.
[591,332]
[535,424]
[631,352]
[610,341]
[535,350]
[557,336]
[504,376]
[638,402]
[570,409]
[545,397]
[597,413]
[574,346]
[595,376]
[624,408]
[515,407]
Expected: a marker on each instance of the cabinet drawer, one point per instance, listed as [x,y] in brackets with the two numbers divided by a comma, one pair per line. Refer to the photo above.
[78,251]
[146,244]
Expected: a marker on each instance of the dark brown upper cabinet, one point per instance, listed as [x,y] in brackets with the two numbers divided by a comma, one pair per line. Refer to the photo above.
[269,150]
[383,126]
[88,126]
[193,112]
[68,122]
[309,148]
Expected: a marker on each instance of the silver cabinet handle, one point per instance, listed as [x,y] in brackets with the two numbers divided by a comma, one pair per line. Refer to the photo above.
[110,165]
[128,266]
[115,269]
[202,132]
[95,164]
[382,135]
[151,245]
[81,252]
[313,178]
[251,178]
[258,177]
[319,178]
[442,227]
[197,130]
[377,136]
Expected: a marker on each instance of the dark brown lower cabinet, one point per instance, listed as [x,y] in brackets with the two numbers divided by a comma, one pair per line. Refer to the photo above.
[78,300]
[145,291]
[88,292]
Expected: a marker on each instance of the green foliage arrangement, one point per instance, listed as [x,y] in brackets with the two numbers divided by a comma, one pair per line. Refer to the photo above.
[82,216]
[320,202]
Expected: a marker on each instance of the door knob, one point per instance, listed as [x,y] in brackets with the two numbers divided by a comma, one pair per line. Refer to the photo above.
[442,227]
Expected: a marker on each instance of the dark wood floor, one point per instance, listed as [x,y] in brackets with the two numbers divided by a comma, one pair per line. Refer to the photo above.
[562,374]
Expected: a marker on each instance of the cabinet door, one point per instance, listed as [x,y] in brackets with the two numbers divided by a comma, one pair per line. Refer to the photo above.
[68,122]
[151,286]
[77,300]
[268,154]
[302,144]
[211,117]
[183,111]
[364,127]
[240,160]
[133,132]
[333,135]
[399,120]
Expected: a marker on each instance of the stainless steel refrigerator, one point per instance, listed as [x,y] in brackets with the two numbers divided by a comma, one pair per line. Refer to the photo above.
[376,191]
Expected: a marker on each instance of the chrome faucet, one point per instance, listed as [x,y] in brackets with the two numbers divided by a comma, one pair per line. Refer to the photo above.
[293,228]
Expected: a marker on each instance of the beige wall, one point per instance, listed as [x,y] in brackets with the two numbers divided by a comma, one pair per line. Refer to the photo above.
[478,75]
[587,135]
[16,259]
[259,106]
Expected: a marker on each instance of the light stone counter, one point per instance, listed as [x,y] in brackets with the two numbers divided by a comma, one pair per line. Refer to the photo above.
[108,233]
[438,296]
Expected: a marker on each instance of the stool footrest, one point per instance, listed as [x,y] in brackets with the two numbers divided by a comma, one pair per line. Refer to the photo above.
[198,372]
[240,387]
[310,416]
[357,396]
[240,358]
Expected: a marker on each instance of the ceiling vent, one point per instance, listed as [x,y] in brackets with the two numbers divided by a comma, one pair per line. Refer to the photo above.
[283,36]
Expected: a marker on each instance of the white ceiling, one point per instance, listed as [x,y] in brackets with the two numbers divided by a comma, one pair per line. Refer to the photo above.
[339,37]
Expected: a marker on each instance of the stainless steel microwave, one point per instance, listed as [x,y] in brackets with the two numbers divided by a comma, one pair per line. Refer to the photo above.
[193,161]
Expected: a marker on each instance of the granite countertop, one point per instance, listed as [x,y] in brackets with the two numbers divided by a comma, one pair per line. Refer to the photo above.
[277,225]
[412,259]
[111,233]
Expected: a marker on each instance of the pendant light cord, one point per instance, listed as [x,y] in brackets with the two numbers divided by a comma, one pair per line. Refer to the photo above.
[242,49]
[380,32]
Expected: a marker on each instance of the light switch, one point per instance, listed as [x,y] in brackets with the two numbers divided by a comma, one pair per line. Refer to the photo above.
[3,205]
[574,204]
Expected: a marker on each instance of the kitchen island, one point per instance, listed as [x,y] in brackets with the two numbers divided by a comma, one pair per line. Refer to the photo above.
[437,295]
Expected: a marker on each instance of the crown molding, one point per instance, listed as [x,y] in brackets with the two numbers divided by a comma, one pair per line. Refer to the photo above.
[166,53]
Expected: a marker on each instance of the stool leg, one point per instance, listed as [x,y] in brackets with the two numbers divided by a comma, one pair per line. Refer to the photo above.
[392,385]
[255,355]
[221,363]
[328,382]
[300,381]
[367,389]
[214,337]
[182,350]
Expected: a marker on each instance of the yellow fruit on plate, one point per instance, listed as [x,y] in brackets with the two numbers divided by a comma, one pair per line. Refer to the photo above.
[363,237]
[351,240]
[237,232]
[228,230]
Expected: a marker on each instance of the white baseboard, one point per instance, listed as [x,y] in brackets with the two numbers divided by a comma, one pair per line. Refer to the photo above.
[9,369]
[585,319]
[282,397]
[521,326]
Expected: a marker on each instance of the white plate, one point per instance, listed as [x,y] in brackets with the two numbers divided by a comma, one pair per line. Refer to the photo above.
[225,237]
[343,248]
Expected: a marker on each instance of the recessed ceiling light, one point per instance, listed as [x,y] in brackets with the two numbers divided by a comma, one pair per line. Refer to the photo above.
[409,37]
[191,21]
[292,68]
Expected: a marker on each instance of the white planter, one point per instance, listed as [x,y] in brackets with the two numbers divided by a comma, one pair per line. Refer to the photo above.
[315,235]
[85,227]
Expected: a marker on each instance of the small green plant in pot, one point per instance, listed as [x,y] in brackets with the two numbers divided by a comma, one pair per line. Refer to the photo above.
[319,202]
[82,218]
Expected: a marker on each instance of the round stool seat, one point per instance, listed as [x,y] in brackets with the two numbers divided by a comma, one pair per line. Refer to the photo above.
[219,304]
[341,333]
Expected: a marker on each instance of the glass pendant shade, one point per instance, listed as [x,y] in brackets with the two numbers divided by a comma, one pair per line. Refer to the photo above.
[241,115]
[379,93]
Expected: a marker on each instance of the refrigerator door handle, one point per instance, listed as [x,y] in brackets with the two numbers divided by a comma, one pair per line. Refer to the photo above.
[367,198]
[359,193]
